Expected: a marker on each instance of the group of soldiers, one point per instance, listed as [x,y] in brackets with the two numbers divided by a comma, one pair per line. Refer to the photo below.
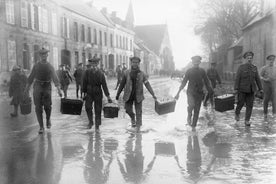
[92,84]
[248,82]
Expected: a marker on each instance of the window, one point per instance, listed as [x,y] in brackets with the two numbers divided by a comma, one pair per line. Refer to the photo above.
[82,33]
[105,39]
[130,45]
[101,41]
[76,32]
[10,11]
[54,23]
[11,53]
[55,57]
[24,14]
[106,61]
[76,57]
[36,18]
[83,58]
[65,27]
[111,40]
[120,42]
[126,43]
[117,41]
[45,20]
[95,36]
[40,25]
[89,35]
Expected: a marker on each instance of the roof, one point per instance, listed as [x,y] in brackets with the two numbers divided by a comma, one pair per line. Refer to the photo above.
[258,18]
[87,11]
[152,35]
[237,43]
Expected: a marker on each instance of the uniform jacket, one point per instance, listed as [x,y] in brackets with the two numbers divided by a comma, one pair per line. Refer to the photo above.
[93,82]
[247,78]
[127,85]
[213,76]
[78,75]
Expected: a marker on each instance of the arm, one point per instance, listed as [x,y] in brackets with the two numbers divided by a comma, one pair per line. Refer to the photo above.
[148,86]
[258,80]
[150,165]
[121,87]
[262,74]
[207,82]
[30,79]
[84,82]
[11,87]
[238,79]
[54,76]
[183,84]
[104,86]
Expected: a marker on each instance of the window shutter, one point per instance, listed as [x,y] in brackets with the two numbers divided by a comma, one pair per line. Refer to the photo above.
[40,25]
[68,28]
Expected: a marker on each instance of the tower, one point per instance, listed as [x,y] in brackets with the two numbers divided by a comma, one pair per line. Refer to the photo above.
[130,16]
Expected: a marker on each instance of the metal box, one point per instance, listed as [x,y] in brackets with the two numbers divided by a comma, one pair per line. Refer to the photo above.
[111,110]
[71,106]
[165,107]
[224,102]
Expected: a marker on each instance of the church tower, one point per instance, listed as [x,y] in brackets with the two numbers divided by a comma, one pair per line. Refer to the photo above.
[130,16]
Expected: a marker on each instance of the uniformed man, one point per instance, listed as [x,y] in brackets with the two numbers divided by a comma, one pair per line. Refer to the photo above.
[245,86]
[42,74]
[92,85]
[119,72]
[132,83]
[268,76]
[78,77]
[64,78]
[197,78]
[213,76]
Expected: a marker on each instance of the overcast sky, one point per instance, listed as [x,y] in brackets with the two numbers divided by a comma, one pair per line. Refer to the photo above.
[178,14]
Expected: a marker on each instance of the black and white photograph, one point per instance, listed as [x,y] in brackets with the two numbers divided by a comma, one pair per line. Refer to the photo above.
[137,92]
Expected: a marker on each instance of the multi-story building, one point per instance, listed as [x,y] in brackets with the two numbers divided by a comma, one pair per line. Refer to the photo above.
[72,31]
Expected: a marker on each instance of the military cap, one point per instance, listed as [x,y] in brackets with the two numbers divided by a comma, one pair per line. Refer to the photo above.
[135,57]
[94,60]
[248,53]
[43,51]
[196,58]
[16,68]
[270,56]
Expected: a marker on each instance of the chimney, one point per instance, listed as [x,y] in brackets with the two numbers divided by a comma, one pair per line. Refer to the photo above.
[104,10]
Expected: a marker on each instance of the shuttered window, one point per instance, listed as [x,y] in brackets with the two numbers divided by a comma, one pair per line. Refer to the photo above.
[45,20]
[11,53]
[54,24]
[10,11]
[24,14]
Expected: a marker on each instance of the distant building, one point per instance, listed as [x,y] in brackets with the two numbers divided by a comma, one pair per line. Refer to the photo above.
[71,30]
[156,38]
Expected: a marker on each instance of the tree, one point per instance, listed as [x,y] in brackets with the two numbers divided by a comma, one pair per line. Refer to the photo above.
[221,21]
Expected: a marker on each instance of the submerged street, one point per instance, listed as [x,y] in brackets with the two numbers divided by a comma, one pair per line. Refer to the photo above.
[221,150]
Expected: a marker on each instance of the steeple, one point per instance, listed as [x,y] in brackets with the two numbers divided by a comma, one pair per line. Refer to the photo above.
[130,16]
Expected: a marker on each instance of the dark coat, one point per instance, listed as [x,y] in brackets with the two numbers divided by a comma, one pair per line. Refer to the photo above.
[17,86]
[247,79]
[78,75]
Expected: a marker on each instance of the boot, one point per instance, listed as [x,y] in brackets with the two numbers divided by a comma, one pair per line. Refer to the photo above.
[48,117]
[48,123]
[39,117]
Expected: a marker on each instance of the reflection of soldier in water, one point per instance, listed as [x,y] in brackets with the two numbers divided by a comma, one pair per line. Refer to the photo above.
[134,161]
[45,162]
[94,171]
[193,157]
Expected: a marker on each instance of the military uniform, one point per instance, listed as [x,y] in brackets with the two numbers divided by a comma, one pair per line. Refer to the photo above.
[132,83]
[197,78]
[92,85]
[245,83]
[213,76]
[42,74]
[78,77]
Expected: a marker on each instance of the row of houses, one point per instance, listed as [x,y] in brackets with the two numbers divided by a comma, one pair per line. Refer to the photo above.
[259,36]
[74,32]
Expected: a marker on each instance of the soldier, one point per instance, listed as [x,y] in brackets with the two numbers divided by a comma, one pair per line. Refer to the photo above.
[268,76]
[119,72]
[42,74]
[78,77]
[64,78]
[17,85]
[124,67]
[92,85]
[196,77]
[213,76]
[245,87]
[132,83]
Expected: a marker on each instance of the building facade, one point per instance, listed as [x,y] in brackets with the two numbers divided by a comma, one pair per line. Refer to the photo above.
[72,31]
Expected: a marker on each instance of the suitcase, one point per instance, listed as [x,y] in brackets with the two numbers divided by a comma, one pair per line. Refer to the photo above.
[224,102]
[165,148]
[165,107]
[111,110]
[71,106]
[26,106]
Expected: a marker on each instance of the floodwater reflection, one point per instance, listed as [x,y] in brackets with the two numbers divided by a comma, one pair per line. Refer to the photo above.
[133,167]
